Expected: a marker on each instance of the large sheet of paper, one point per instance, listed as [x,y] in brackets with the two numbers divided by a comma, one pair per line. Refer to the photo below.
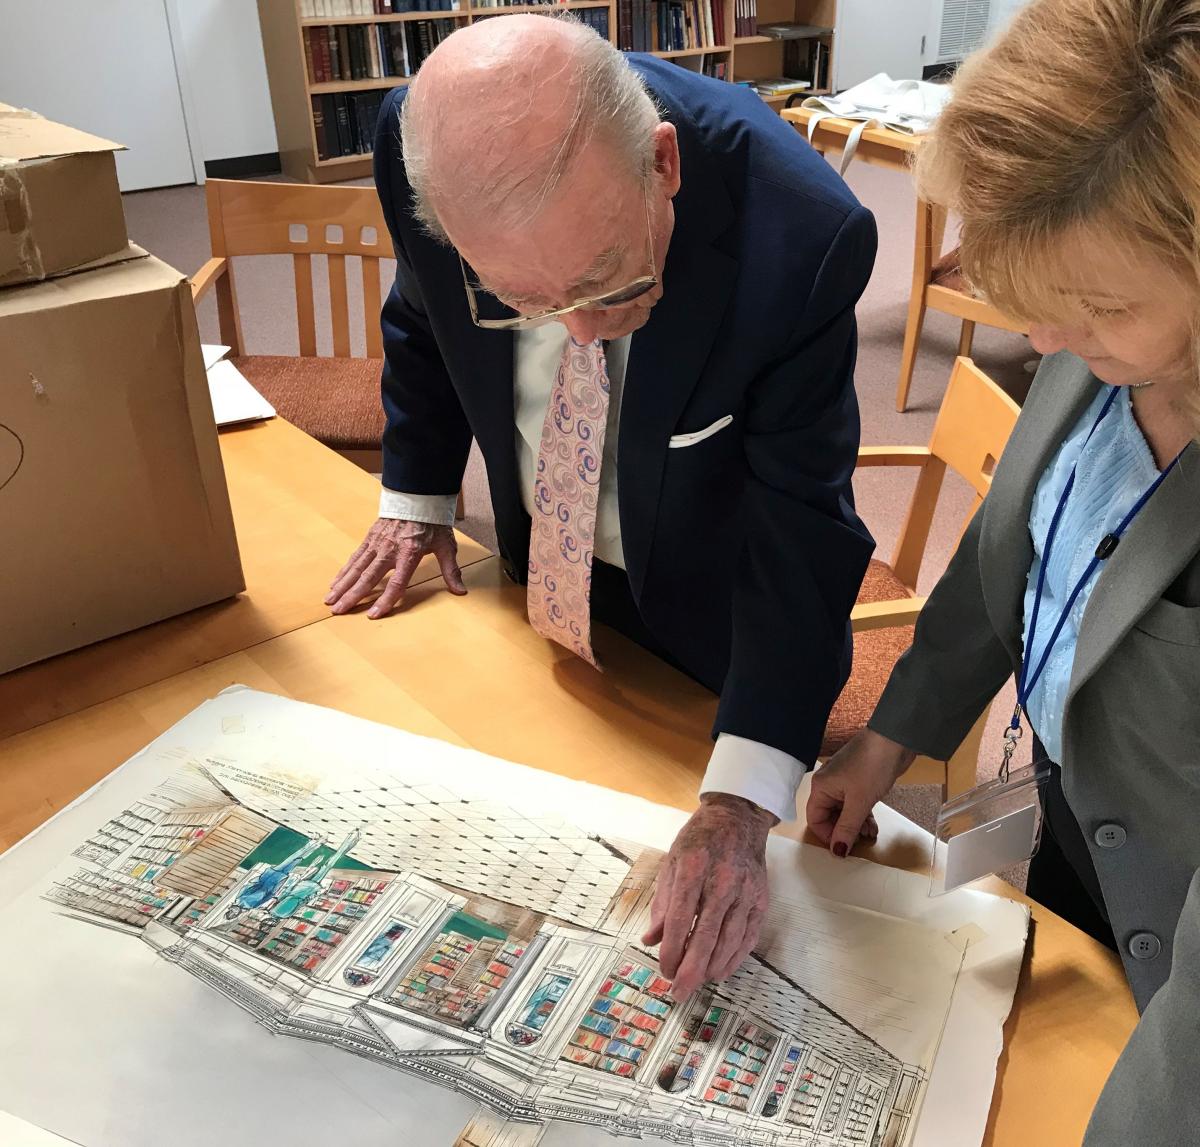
[282,924]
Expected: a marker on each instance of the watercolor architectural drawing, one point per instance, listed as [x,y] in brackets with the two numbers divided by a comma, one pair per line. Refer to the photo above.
[483,950]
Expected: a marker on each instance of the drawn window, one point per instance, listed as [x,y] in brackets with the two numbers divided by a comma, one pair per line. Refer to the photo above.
[318,926]
[622,1022]
[741,1068]
[699,1031]
[365,970]
[833,1111]
[538,1008]
[467,963]
[786,1070]
[816,1077]
[864,1105]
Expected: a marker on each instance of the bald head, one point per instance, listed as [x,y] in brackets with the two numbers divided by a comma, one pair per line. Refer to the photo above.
[502,112]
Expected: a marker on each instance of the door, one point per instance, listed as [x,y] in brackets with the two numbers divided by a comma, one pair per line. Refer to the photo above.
[878,36]
[107,68]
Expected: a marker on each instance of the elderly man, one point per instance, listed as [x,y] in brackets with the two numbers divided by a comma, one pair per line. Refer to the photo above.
[634,287]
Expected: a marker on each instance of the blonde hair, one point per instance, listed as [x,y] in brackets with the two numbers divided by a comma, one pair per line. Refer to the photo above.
[1083,113]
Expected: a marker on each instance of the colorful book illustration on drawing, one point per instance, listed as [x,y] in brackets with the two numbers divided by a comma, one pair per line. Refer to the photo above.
[482,950]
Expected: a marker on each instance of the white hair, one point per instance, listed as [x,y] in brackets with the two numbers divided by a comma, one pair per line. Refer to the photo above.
[601,97]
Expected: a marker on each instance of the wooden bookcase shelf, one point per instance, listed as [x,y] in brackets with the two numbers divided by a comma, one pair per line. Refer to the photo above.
[292,88]
[761,57]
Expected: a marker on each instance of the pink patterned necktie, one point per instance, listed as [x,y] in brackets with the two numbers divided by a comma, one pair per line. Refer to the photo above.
[565,494]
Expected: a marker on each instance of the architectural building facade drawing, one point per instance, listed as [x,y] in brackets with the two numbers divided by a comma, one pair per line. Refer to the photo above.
[481,950]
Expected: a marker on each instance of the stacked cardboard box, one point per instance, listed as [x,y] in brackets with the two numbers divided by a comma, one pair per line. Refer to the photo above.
[113,506]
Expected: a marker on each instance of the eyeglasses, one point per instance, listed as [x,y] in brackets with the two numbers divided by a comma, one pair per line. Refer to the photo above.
[493,314]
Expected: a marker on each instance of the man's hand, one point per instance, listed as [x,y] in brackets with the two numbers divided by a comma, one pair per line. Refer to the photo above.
[395,545]
[846,789]
[712,892]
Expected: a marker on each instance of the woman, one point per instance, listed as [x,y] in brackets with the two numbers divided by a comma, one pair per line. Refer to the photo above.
[1071,150]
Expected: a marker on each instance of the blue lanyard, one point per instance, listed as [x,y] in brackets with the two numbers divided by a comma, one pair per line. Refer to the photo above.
[1027,681]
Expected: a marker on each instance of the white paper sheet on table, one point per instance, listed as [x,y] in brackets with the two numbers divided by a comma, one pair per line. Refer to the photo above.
[234,399]
[213,353]
[145,1026]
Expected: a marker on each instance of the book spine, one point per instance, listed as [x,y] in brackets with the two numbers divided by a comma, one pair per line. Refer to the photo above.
[335,53]
[372,34]
[410,44]
[342,110]
[309,55]
[318,114]
[319,47]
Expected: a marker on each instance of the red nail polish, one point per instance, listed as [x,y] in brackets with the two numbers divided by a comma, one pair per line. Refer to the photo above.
[840,848]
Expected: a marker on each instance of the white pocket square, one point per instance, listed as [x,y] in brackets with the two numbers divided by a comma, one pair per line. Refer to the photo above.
[678,441]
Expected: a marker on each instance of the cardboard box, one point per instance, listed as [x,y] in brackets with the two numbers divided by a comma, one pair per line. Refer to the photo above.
[113,506]
[60,204]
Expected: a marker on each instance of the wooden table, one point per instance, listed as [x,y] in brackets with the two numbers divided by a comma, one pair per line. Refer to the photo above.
[299,509]
[472,672]
[880,146]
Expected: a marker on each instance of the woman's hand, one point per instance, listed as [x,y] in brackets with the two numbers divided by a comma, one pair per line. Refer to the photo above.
[846,790]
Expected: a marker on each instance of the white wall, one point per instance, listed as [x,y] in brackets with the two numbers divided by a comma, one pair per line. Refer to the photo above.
[226,74]
[1002,11]
[107,68]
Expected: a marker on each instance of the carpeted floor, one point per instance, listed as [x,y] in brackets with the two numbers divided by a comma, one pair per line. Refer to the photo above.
[172,224]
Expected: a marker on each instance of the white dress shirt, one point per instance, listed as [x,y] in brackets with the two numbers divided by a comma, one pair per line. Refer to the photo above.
[769,777]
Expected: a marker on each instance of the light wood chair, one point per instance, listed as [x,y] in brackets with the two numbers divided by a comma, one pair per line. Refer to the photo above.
[972,428]
[947,293]
[335,399]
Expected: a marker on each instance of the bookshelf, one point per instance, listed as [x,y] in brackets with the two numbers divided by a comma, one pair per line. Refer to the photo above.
[759,57]
[620,1026]
[308,938]
[741,1068]
[292,71]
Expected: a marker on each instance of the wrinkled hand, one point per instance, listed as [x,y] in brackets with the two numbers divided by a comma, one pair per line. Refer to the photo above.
[712,892]
[394,545]
[846,789]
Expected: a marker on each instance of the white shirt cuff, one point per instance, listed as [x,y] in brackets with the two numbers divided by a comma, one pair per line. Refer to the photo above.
[436,509]
[743,768]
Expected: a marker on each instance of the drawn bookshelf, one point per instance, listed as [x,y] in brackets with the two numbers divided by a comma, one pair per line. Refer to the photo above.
[288,47]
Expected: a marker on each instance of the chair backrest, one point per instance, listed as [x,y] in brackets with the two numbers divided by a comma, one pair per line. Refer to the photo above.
[972,428]
[297,219]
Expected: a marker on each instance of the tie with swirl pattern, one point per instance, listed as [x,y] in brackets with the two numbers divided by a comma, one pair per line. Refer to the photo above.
[565,495]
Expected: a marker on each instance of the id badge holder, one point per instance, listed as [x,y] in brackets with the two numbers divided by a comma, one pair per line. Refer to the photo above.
[991,826]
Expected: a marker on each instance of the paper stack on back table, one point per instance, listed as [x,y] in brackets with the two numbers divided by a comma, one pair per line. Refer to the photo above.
[277,914]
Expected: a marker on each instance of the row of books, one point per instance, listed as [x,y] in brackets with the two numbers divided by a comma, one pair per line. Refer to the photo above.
[745,17]
[596,18]
[320,9]
[371,51]
[670,25]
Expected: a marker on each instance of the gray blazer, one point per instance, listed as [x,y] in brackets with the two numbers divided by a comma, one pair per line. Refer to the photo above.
[1131,734]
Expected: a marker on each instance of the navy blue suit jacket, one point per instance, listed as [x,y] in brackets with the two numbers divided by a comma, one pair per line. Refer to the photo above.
[744,552]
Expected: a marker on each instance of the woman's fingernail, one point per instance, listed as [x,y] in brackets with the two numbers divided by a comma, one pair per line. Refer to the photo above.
[840,848]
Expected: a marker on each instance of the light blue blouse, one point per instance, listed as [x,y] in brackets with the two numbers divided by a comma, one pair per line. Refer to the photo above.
[1115,469]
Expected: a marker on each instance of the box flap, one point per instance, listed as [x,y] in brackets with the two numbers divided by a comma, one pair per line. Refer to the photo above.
[136,273]
[26,135]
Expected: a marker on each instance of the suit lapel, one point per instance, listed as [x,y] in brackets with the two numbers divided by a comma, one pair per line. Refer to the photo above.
[1062,393]
[1159,543]
[667,356]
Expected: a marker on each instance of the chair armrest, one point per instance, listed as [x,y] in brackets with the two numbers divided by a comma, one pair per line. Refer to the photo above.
[893,455]
[206,276]
[885,614]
